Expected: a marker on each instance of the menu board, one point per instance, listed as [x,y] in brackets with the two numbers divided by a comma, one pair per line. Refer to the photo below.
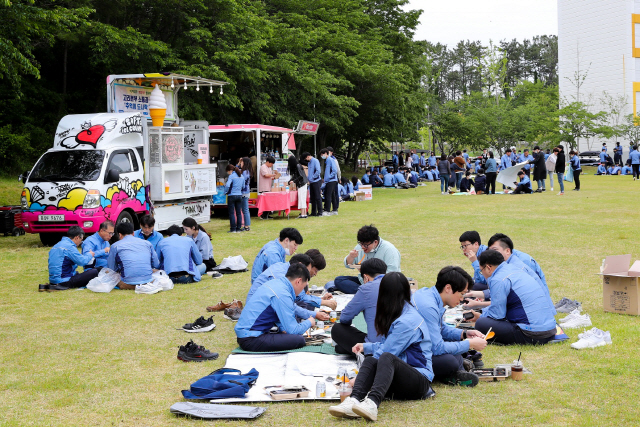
[200,181]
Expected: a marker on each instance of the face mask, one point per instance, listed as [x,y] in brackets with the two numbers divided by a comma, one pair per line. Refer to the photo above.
[287,251]
[324,157]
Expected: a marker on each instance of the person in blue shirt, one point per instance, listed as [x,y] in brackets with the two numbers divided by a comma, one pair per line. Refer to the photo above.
[601,170]
[315,195]
[524,186]
[276,250]
[626,170]
[603,156]
[375,180]
[634,156]
[354,184]
[414,178]
[526,157]
[477,165]
[365,177]
[520,311]
[465,155]
[447,342]
[433,161]
[423,161]
[428,175]
[514,156]
[147,232]
[247,174]
[343,192]
[399,177]
[575,167]
[64,259]
[135,259]
[384,171]
[617,154]
[614,170]
[98,243]
[233,190]
[491,171]
[506,243]
[179,257]
[395,160]
[364,301]
[505,161]
[203,242]
[331,181]
[398,366]
[436,174]
[471,246]
[273,304]
[415,161]
[389,180]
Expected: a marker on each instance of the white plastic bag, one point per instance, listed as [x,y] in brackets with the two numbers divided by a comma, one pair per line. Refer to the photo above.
[105,282]
[235,263]
[161,278]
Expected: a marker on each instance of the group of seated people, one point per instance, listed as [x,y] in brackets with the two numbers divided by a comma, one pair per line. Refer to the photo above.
[407,345]
[614,170]
[403,177]
[135,256]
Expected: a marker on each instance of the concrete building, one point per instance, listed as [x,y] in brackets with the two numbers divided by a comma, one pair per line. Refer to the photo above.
[600,38]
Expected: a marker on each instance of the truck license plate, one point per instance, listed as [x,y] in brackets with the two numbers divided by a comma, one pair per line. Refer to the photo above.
[50,218]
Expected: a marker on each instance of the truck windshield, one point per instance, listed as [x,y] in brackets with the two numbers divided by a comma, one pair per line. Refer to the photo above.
[79,165]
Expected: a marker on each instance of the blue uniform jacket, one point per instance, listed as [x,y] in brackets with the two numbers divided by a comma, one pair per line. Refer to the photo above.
[505,162]
[394,159]
[365,178]
[408,339]
[532,264]
[399,177]
[64,258]
[516,262]
[528,158]
[433,161]
[516,297]
[134,259]
[477,274]
[178,253]
[234,184]
[525,182]
[154,238]
[389,180]
[246,187]
[203,243]
[423,160]
[342,191]
[490,166]
[279,270]
[602,170]
[635,157]
[626,170]
[330,170]
[614,170]
[617,149]
[97,245]
[314,170]
[575,163]
[270,253]
[273,304]
[603,157]
[444,338]
[366,301]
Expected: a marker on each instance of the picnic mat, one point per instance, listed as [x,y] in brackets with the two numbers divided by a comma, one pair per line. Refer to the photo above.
[289,369]
[357,322]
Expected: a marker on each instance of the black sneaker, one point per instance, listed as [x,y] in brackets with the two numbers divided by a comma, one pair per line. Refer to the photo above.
[216,275]
[192,352]
[200,325]
[43,288]
[468,364]
[54,288]
[232,313]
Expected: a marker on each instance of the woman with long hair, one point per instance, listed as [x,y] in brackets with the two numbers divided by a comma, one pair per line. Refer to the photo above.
[399,366]
[233,190]
[247,174]
[299,178]
[202,239]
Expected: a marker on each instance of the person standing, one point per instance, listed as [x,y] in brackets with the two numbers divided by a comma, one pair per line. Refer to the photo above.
[617,154]
[314,184]
[395,160]
[247,174]
[540,170]
[233,190]
[415,160]
[560,165]
[527,158]
[634,155]
[460,167]
[491,172]
[575,167]
[331,183]
[266,179]
[336,194]
[550,164]
[505,162]
[299,178]
[444,169]
[433,161]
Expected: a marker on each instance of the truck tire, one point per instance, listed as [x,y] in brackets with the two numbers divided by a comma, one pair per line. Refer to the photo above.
[50,239]
[123,217]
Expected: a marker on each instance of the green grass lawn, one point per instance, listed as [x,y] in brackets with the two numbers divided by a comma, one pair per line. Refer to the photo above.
[80,358]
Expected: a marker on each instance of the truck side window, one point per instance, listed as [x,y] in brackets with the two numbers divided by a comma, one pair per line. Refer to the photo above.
[134,161]
[120,162]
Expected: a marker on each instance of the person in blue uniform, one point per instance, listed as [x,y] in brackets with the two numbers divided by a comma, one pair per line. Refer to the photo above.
[179,257]
[524,186]
[98,243]
[135,259]
[147,232]
[64,259]
[276,250]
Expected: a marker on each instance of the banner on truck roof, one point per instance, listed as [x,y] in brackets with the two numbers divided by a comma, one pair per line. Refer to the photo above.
[307,128]
[129,99]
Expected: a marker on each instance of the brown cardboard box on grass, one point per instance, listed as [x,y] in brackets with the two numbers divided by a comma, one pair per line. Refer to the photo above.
[621,285]
[359,195]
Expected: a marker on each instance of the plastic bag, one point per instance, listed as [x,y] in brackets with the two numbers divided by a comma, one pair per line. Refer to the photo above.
[569,175]
[105,282]
[161,278]
[235,263]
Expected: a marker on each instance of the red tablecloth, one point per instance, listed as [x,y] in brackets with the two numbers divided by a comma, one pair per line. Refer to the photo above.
[278,201]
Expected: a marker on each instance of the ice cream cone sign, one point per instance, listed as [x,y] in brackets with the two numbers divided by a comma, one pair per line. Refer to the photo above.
[157,106]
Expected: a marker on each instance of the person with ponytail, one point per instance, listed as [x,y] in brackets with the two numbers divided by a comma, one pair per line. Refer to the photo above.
[202,239]
[233,190]
[247,174]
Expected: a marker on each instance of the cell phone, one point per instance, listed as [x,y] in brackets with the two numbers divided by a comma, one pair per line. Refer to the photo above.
[467,316]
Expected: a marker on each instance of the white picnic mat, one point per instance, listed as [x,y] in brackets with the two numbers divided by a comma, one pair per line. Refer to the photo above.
[289,369]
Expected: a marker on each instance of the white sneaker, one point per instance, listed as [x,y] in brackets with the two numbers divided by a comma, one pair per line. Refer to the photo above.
[575,313]
[326,213]
[551,188]
[595,339]
[345,409]
[560,193]
[588,333]
[577,322]
[366,409]
[334,213]
[148,288]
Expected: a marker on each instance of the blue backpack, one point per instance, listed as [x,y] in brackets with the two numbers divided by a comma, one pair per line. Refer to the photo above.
[221,384]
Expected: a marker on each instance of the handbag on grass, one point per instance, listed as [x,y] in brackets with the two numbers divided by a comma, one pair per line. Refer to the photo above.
[222,384]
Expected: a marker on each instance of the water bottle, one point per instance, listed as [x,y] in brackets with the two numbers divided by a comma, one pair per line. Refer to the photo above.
[286,189]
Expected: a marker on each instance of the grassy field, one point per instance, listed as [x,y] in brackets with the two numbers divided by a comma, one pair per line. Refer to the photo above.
[80,358]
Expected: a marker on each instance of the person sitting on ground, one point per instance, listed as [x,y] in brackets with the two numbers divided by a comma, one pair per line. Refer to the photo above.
[98,243]
[343,192]
[179,257]
[364,301]
[274,305]
[626,170]
[276,250]
[64,259]
[314,261]
[399,177]
[614,170]
[414,178]
[370,245]
[135,259]
[471,246]
[366,176]
[466,183]
[389,180]
[355,184]
[524,186]
[480,181]
[203,242]
[520,311]
[601,170]
[436,174]
[448,343]
[147,232]
[400,364]
[375,180]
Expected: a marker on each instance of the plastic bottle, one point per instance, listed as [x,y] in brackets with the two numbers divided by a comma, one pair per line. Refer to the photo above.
[166,186]
[277,154]
[286,189]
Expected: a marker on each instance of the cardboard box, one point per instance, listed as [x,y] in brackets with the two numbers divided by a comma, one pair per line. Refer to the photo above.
[620,285]
[367,190]
[359,195]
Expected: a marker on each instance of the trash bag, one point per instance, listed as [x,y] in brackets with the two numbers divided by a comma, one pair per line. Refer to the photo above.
[233,263]
[105,282]
[161,278]
[569,175]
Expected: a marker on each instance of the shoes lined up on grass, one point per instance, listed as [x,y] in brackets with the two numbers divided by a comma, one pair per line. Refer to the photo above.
[200,325]
[589,339]
[576,320]
[232,313]
[566,305]
[221,306]
[192,352]
[592,338]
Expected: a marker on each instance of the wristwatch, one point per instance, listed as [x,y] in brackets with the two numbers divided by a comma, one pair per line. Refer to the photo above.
[464,335]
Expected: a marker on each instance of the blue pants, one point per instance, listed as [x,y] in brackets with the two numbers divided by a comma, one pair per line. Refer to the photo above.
[444,183]
[445,366]
[245,211]
[560,177]
[234,204]
[459,179]
[347,284]
[271,342]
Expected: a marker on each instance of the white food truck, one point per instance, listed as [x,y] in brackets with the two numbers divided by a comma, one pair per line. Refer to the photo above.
[117,166]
